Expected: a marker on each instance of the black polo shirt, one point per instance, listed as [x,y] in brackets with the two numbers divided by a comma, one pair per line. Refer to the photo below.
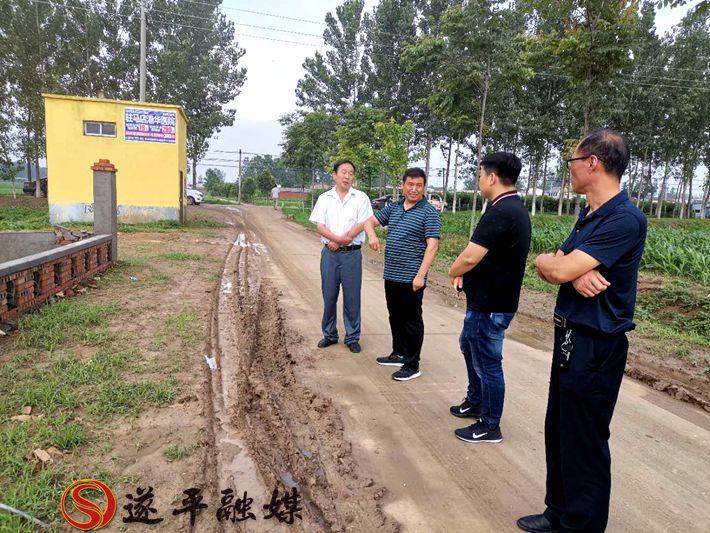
[614,235]
[493,285]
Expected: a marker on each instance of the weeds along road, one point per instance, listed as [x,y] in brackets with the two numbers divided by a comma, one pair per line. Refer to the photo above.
[401,434]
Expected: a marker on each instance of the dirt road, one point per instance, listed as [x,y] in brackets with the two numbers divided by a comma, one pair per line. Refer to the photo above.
[402,433]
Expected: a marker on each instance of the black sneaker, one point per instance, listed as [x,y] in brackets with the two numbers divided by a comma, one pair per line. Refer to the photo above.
[354,347]
[391,360]
[324,343]
[478,432]
[405,374]
[466,410]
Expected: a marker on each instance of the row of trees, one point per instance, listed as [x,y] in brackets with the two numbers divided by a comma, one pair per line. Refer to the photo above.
[91,48]
[528,76]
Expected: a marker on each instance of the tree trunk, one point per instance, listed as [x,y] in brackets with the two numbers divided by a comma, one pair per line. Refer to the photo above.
[632,180]
[38,186]
[562,188]
[448,170]
[544,182]
[533,204]
[662,192]
[530,177]
[456,175]
[569,199]
[681,199]
[689,209]
[706,197]
[486,83]
[427,166]
[194,173]
[676,198]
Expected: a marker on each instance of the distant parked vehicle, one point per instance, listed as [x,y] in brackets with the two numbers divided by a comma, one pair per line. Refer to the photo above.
[379,203]
[29,187]
[194,197]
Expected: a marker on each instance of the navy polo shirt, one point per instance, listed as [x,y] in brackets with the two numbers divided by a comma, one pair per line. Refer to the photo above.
[614,235]
[407,233]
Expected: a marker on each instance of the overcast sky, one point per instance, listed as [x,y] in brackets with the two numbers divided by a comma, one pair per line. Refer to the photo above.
[274,67]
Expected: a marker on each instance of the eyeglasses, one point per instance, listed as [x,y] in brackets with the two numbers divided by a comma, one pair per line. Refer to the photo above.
[568,161]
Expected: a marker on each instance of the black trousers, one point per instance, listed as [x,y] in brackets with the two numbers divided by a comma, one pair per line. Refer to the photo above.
[405,310]
[579,410]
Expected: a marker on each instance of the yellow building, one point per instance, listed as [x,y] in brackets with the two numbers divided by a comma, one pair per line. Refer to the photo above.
[145,141]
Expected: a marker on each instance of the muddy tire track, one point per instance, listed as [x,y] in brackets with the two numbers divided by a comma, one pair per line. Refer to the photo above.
[267,430]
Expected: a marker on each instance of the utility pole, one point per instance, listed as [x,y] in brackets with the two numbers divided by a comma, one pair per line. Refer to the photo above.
[239,197]
[142,59]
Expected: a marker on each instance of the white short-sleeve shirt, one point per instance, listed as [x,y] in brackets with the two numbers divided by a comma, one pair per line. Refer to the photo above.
[275,193]
[340,216]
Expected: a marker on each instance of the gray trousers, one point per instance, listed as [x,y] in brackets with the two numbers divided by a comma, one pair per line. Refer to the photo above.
[336,269]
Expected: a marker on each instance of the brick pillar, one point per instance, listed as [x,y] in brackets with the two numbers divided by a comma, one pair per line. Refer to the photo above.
[105,203]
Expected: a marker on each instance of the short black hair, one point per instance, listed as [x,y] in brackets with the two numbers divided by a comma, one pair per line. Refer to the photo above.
[611,149]
[339,162]
[414,172]
[506,165]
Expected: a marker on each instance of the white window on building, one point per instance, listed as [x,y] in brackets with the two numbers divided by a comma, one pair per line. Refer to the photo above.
[99,129]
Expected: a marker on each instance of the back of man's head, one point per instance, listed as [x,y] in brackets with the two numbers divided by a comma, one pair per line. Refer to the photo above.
[611,149]
[506,165]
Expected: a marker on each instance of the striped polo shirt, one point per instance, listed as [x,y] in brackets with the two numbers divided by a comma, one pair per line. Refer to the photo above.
[407,232]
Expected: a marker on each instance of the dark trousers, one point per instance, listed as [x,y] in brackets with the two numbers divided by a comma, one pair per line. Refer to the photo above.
[336,269]
[579,410]
[405,310]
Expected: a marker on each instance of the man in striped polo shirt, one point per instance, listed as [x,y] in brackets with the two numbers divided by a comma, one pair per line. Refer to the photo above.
[414,228]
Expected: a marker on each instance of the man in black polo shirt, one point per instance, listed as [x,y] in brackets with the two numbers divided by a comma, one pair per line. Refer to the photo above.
[413,234]
[597,270]
[492,266]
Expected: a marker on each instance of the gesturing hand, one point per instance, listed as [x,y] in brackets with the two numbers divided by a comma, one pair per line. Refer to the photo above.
[375,244]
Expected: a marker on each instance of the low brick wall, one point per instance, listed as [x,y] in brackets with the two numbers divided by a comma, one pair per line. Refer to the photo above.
[28,282]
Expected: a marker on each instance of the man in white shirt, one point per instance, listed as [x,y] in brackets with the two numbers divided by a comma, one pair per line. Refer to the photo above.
[334,214]
[275,195]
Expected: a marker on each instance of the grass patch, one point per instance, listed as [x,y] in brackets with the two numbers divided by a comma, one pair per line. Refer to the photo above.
[129,398]
[181,256]
[217,200]
[158,278]
[54,323]
[176,452]
[23,219]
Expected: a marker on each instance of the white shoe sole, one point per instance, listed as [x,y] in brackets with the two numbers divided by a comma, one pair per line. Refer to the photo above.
[416,375]
[390,364]
[477,441]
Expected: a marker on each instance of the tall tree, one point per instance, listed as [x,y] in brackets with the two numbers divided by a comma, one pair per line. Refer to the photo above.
[197,68]
[309,142]
[333,81]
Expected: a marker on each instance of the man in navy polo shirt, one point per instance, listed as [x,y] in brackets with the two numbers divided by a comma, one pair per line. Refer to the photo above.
[597,270]
[490,270]
[413,234]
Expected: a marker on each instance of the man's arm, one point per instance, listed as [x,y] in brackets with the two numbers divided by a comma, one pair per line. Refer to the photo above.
[432,246]
[368,226]
[469,258]
[561,268]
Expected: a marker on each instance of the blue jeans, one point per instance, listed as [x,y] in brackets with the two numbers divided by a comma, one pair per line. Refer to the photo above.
[481,343]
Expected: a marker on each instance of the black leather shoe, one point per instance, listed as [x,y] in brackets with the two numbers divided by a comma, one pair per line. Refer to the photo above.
[324,343]
[536,523]
[354,347]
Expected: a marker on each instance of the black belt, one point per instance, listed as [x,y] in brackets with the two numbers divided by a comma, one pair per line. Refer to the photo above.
[347,248]
[562,322]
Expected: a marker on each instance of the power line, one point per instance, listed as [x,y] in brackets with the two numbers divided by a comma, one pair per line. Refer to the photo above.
[238,24]
[262,13]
